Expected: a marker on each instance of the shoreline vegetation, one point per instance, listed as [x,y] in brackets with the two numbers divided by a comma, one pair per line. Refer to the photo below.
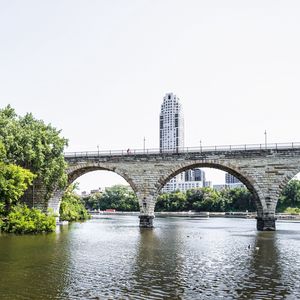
[31,153]
[229,201]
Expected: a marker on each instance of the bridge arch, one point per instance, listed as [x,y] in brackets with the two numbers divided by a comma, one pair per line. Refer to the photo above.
[74,172]
[288,177]
[245,178]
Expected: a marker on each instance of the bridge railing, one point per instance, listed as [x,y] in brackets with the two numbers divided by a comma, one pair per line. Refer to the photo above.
[241,147]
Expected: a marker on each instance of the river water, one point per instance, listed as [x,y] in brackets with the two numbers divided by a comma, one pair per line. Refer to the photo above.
[181,258]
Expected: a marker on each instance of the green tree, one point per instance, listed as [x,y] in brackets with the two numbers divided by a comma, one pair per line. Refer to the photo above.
[22,219]
[14,180]
[193,196]
[174,201]
[32,144]
[238,199]
[290,196]
[93,201]
[117,197]
[163,202]
[2,152]
[71,207]
[177,201]
[209,201]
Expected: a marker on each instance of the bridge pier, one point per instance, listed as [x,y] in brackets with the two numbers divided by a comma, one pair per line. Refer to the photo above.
[146,221]
[266,223]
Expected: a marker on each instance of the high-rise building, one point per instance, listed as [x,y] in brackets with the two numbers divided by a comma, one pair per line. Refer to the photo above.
[171,127]
[171,138]
[231,181]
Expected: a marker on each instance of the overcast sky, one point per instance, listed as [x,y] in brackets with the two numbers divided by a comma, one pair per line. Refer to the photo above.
[98,70]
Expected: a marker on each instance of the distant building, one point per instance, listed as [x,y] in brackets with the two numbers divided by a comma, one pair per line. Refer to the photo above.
[171,124]
[86,194]
[229,178]
[95,191]
[171,138]
[181,186]
[208,184]
[231,181]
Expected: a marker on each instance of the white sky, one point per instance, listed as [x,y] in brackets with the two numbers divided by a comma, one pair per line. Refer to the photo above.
[98,70]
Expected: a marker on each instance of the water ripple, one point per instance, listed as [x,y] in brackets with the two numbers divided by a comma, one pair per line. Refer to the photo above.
[112,258]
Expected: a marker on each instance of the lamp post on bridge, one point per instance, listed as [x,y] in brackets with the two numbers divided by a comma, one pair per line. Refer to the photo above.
[200,146]
[144,144]
[98,149]
[266,139]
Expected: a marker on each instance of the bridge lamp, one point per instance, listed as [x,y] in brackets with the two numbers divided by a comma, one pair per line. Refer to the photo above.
[266,139]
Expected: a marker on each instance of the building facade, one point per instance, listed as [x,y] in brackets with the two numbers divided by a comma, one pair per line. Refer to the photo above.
[171,124]
[171,139]
[232,182]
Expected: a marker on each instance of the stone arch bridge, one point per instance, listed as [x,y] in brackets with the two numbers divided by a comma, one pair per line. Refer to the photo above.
[264,169]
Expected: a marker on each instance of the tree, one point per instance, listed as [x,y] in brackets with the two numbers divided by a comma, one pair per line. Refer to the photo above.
[238,199]
[32,144]
[192,196]
[92,202]
[119,197]
[22,219]
[290,196]
[14,180]
[163,202]
[71,207]
[209,201]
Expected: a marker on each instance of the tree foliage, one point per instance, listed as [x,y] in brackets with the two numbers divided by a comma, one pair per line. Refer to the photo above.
[22,219]
[201,199]
[117,197]
[71,207]
[14,181]
[206,199]
[29,149]
[290,196]
[32,144]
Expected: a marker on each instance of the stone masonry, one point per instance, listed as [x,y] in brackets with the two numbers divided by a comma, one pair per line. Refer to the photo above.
[264,172]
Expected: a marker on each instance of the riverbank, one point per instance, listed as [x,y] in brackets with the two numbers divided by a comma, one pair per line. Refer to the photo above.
[245,215]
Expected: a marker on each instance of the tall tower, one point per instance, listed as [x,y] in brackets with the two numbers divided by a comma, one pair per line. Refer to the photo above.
[171,138]
[171,127]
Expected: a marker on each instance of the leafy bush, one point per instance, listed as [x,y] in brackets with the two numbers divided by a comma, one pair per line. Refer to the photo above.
[14,180]
[71,207]
[22,219]
[34,145]
[292,210]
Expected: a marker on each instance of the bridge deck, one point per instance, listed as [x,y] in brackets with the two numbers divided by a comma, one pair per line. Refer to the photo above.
[200,149]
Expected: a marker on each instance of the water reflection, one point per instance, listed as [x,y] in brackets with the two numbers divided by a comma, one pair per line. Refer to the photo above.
[158,263]
[261,278]
[181,258]
[32,266]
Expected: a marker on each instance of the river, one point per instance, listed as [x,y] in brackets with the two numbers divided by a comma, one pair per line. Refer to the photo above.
[181,258]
